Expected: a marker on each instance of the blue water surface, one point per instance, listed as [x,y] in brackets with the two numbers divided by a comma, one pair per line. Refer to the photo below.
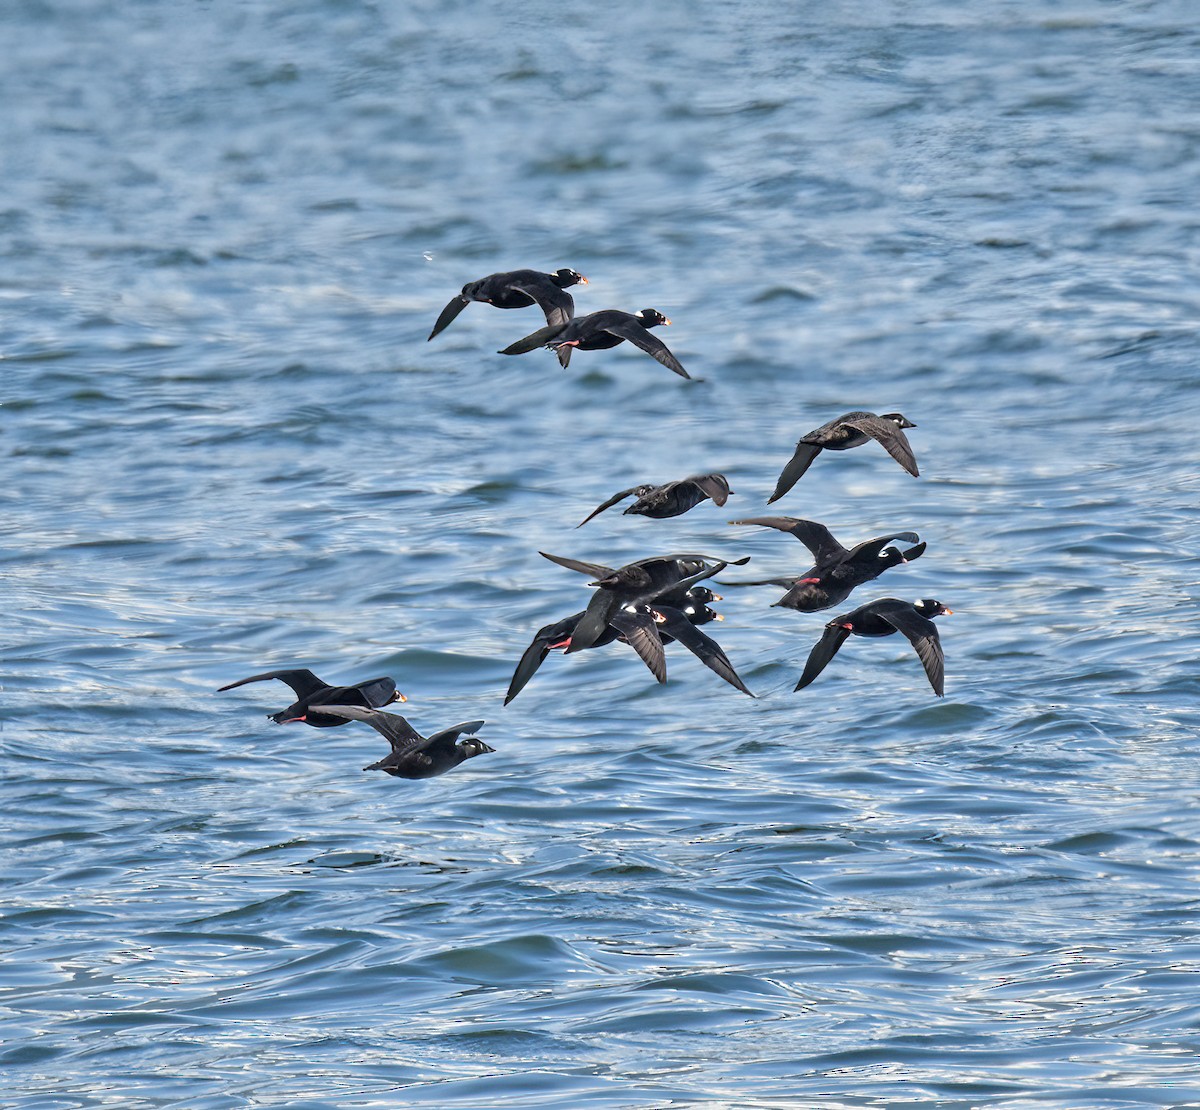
[226,230]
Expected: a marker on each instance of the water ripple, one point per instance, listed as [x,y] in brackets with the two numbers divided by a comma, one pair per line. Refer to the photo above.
[231,449]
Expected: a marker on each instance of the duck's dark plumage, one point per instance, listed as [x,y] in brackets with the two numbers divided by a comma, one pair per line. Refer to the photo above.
[558,635]
[645,580]
[851,430]
[884,617]
[670,499]
[518,289]
[597,331]
[837,570]
[414,756]
[310,690]
[680,624]
[646,627]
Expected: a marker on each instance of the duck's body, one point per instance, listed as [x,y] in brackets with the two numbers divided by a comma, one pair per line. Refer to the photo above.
[646,628]
[846,432]
[657,578]
[518,289]
[837,571]
[670,499]
[633,628]
[310,690]
[414,756]
[885,617]
[597,331]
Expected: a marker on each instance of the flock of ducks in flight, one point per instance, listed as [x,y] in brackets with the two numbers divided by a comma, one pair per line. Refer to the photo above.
[660,600]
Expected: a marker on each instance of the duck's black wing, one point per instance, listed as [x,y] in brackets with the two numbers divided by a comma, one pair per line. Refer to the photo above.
[535,655]
[602,608]
[894,441]
[448,314]
[303,682]
[607,505]
[640,631]
[379,691]
[703,647]
[556,303]
[795,468]
[823,651]
[641,337]
[922,633]
[391,726]
[715,486]
[447,736]
[534,340]
[816,537]
[605,603]
[871,548]
[592,570]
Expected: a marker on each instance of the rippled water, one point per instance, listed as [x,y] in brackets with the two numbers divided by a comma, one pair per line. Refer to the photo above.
[226,231]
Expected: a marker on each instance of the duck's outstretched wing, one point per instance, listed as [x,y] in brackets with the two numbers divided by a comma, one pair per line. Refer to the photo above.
[816,537]
[871,548]
[448,314]
[451,734]
[894,441]
[379,691]
[552,636]
[640,631]
[823,651]
[653,346]
[533,340]
[608,504]
[703,647]
[534,657]
[556,303]
[795,468]
[592,570]
[922,633]
[391,726]
[303,682]
[715,486]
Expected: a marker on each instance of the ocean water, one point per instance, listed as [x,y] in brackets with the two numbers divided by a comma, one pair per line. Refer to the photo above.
[226,231]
